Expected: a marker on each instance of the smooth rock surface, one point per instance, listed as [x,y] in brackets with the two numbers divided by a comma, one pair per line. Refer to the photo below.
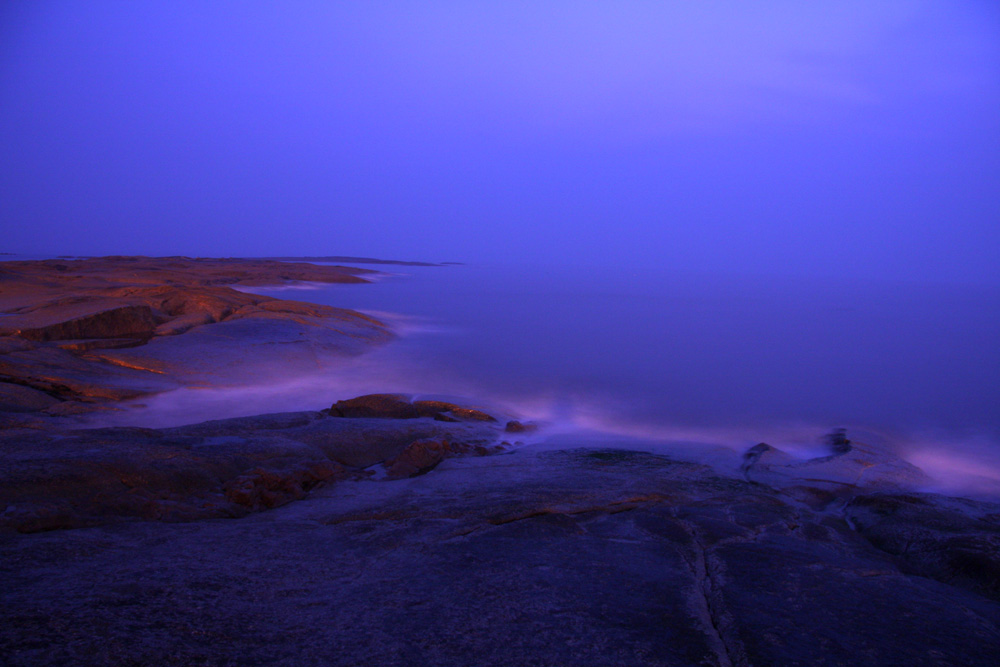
[577,557]
[223,468]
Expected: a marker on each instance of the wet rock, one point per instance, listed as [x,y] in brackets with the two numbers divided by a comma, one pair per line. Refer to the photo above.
[418,458]
[101,344]
[184,322]
[399,406]
[515,426]
[822,479]
[257,347]
[15,344]
[421,456]
[381,406]
[172,317]
[441,409]
[224,468]
[69,376]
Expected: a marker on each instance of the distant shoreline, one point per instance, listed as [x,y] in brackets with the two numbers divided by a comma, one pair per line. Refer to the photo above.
[31,257]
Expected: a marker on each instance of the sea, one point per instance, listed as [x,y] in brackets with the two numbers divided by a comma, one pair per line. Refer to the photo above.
[626,354]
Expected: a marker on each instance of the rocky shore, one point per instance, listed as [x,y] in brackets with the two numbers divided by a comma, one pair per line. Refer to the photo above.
[391,531]
[79,335]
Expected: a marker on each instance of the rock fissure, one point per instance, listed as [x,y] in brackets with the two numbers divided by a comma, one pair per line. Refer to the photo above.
[55,391]
[615,507]
[708,607]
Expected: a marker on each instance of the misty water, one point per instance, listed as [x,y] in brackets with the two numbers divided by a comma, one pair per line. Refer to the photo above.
[658,355]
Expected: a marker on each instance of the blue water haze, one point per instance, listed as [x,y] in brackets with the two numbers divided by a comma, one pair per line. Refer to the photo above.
[659,355]
[800,138]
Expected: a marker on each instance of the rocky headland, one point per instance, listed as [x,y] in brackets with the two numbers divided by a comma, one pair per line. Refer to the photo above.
[385,530]
[79,335]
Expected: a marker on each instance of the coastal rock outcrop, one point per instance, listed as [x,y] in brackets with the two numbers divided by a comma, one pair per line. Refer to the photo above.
[20,398]
[846,471]
[419,457]
[92,320]
[400,406]
[221,468]
[954,540]
[106,329]
[568,557]
[515,426]
[422,456]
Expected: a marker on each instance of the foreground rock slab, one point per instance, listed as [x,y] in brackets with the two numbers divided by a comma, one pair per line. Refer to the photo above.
[225,468]
[571,557]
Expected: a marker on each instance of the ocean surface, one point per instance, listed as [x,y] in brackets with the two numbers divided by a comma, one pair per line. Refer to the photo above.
[659,355]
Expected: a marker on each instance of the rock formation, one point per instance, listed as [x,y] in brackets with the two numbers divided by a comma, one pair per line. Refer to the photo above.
[88,331]
[573,557]
[225,468]
[399,406]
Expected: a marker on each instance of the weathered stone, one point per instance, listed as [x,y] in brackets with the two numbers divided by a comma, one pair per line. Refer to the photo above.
[515,426]
[953,540]
[581,557]
[419,457]
[442,408]
[221,468]
[380,406]
[399,406]
[265,489]
[18,398]
[169,317]
[824,478]
[46,324]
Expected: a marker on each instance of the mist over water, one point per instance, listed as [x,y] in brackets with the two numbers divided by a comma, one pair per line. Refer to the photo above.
[652,355]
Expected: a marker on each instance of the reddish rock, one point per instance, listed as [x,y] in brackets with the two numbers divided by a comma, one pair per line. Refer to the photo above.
[52,323]
[75,328]
[398,406]
[515,426]
[225,468]
[418,458]
[442,410]
[101,344]
[266,489]
[382,406]
[421,456]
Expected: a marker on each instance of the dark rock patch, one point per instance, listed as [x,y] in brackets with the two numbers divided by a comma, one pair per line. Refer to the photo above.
[515,426]
[952,540]
[216,469]
[579,557]
[399,406]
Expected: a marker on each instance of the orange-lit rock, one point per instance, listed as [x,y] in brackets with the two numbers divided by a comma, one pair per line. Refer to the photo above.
[69,479]
[399,406]
[120,327]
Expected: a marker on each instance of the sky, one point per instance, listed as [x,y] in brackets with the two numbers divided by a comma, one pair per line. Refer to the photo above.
[803,138]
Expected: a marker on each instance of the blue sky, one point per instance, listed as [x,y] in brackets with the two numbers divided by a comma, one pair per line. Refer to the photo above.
[785,137]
